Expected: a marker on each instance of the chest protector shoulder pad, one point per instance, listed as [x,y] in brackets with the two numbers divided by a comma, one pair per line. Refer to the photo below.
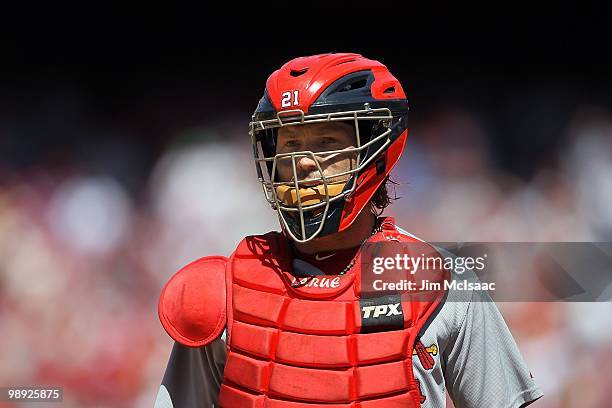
[192,306]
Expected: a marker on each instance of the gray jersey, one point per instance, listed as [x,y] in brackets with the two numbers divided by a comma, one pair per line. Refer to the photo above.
[475,359]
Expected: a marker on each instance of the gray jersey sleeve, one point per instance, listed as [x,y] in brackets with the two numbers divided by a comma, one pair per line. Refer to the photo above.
[483,366]
[193,376]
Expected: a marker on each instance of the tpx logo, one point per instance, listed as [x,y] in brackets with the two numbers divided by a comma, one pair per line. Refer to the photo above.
[381,313]
[381,310]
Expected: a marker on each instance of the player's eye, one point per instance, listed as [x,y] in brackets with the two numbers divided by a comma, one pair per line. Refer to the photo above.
[327,141]
[292,143]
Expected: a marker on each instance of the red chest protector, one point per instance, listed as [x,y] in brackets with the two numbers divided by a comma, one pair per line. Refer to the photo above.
[304,343]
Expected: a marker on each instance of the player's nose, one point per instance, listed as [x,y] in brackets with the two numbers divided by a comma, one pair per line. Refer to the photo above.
[306,167]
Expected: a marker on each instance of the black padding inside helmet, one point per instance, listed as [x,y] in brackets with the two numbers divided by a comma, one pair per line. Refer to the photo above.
[265,110]
[351,88]
[267,138]
[312,222]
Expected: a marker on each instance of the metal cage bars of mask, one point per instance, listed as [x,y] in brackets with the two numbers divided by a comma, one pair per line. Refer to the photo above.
[339,116]
[297,117]
[299,200]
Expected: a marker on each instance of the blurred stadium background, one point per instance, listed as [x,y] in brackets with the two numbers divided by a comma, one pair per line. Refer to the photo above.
[124,154]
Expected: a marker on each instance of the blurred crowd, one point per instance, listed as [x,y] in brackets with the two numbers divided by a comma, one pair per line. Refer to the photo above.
[84,253]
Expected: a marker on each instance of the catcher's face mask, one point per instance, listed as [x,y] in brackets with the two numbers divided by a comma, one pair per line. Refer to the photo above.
[333,157]
[312,163]
[326,133]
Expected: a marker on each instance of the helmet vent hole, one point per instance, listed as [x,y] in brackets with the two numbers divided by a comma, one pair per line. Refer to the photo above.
[353,85]
[389,90]
[298,72]
[346,61]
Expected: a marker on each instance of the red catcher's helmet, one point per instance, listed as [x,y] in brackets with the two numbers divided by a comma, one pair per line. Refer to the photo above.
[323,88]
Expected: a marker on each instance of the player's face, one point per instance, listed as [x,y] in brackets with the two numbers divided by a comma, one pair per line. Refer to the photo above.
[316,137]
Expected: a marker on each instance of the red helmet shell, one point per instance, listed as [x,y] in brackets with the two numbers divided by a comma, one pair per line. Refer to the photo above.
[369,181]
[298,83]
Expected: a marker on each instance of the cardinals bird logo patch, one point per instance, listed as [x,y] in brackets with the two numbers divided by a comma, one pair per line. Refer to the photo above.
[425,354]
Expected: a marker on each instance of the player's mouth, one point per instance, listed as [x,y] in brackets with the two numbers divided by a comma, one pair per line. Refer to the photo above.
[312,193]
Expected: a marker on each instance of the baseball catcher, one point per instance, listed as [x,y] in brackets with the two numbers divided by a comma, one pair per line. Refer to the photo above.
[285,321]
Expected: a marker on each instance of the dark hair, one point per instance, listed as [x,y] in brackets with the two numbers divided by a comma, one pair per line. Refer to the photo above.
[381,198]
